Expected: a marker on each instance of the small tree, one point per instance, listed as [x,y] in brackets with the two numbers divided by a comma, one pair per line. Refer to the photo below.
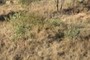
[62,2]
[57,5]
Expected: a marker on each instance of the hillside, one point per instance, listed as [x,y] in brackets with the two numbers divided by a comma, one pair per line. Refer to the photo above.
[36,30]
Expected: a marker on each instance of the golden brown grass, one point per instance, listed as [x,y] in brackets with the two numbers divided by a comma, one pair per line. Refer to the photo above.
[31,35]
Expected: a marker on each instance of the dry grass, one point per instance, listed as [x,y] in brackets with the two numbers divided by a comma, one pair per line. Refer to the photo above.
[34,34]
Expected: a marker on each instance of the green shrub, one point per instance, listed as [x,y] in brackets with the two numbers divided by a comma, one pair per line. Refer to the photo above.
[23,23]
[27,2]
[55,22]
[26,25]
[72,31]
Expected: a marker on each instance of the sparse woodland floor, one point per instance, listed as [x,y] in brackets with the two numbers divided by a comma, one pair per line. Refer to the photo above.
[67,40]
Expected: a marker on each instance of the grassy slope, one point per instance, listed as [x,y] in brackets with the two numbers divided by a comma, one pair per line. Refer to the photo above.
[34,35]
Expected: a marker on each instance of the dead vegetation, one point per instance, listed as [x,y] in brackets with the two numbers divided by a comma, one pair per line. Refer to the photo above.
[36,31]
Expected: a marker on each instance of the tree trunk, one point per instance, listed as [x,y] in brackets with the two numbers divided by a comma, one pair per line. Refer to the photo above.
[57,5]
